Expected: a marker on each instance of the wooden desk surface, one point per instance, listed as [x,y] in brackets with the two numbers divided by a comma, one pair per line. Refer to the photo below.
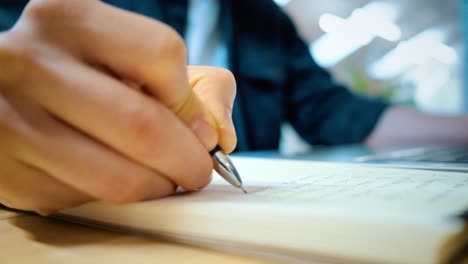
[28,238]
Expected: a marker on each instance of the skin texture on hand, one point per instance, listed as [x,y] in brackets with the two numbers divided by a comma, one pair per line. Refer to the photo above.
[97,103]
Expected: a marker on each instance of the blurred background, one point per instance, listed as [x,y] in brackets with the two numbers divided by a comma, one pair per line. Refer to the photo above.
[407,51]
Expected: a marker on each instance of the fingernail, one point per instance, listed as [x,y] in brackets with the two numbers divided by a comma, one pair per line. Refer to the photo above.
[205,133]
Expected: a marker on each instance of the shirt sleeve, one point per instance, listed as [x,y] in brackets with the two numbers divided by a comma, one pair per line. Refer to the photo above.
[322,111]
[10,11]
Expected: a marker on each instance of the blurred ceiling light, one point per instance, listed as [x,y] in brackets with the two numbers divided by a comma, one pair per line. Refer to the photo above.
[345,36]
[382,11]
[419,50]
[282,2]
[331,48]
[362,21]
[429,90]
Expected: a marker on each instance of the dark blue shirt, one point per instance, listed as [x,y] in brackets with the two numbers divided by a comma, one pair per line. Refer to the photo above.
[277,79]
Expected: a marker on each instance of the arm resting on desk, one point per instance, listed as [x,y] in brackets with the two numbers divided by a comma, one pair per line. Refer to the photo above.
[405,126]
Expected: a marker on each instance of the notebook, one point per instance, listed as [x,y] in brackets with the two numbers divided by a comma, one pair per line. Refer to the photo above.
[302,211]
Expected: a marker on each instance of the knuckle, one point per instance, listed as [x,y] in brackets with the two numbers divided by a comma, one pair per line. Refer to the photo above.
[47,10]
[142,123]
[172,45]
[44,8]
[163,46]
[144,129]
[39,6]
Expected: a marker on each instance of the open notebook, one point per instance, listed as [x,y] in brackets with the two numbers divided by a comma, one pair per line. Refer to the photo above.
[302,211]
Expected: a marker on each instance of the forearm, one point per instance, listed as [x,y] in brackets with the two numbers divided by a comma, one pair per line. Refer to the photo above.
[404,126]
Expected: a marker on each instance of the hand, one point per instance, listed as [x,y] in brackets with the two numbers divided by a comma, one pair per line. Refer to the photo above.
[420,129]
[71,128]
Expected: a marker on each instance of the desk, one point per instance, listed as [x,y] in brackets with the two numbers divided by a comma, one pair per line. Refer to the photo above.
[26,238]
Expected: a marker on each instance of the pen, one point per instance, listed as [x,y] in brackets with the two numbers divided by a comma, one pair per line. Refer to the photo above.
[224,167]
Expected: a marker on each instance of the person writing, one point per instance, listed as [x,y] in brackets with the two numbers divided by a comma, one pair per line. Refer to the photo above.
[83,64]
[97,103]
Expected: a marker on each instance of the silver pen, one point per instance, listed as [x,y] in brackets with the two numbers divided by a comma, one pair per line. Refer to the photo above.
[224,167]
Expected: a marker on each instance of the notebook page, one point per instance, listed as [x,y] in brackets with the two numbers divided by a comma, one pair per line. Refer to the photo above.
[322,184]
[343,210]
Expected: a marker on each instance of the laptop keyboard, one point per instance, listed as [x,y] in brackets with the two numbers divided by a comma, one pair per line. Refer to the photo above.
[423,154]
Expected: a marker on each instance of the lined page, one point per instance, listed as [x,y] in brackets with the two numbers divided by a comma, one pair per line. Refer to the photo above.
[282,181]
[307,209]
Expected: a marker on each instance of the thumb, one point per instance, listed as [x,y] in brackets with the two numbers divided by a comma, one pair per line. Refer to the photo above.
[197,116]
[214,91]
[207,107]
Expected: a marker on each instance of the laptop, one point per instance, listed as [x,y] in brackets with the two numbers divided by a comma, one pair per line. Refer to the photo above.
[454,158]
[447,158]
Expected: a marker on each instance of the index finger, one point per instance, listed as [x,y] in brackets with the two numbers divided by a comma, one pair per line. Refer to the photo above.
[147,52]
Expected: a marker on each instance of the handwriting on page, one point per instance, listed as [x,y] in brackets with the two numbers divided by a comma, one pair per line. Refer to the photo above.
[335,184]
[382,188]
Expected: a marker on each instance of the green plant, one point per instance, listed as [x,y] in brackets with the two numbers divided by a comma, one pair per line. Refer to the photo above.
[362,84]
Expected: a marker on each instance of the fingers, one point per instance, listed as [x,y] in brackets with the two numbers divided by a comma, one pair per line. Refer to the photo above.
[67,119]
[153,55]
[149,53]
[125,120]
[75,160]
[133,46]
[216,88]
[93,168]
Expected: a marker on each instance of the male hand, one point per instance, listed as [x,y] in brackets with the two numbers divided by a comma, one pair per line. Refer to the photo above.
[97,104]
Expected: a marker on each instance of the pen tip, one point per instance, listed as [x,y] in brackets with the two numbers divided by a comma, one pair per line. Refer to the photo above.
[243,190]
